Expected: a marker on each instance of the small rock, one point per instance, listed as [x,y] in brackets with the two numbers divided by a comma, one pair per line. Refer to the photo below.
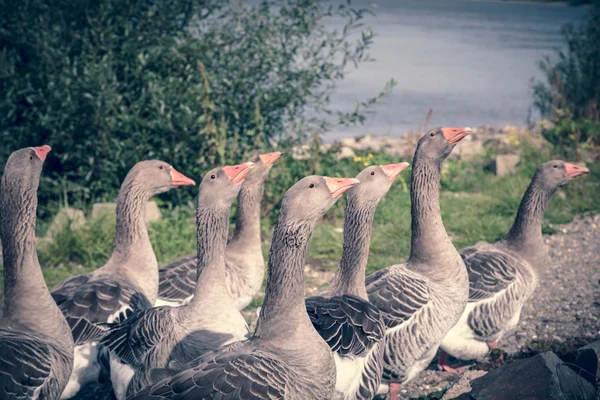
[586,362]
[543,376]
[505,164]
[463,385]
[71,217]
[345,152]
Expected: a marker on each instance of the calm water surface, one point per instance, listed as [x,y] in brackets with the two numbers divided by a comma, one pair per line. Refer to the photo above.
[471,61]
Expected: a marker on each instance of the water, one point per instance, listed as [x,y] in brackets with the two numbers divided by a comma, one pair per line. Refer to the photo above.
[470,61]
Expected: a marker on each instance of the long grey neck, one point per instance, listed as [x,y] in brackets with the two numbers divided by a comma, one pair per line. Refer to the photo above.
[283,313]
[430,244]
[247,226]
[358,227]
[131,229]
[26,301]
[211,225]
[525,235]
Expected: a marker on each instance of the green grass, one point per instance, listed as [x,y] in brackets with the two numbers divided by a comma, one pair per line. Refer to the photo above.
[475,204]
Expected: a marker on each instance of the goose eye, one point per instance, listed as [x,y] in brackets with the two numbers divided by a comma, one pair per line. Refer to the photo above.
[161,167]
[31,157]
[555,166]
[432,134]
[213,176]
[372,172]
[312,185]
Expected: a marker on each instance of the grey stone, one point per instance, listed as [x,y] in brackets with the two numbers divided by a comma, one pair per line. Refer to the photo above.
[345,152]
[586,362]
[505,164]
[110,209]
[544,376]
[71,217]
[463,385]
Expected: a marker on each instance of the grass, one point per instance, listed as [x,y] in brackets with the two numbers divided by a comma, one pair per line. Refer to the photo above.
[475,204]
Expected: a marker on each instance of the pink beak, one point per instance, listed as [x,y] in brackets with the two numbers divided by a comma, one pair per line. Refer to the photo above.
[179,179]
[237,173]
[393,170]
[337,186]
[42,151]
[455,135]
[573,171]
[269,158]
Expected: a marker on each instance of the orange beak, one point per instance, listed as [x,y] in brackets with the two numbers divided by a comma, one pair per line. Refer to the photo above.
[237,173]
[337,186]
[455,135]
[269,158]
[179,179]
[42,151]
[393,170]
[573,171]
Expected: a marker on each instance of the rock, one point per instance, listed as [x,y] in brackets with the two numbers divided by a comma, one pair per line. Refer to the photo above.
[543,376]
[586,362]
[463,385]
[345,152]
[110,209]
[468,149]
[71,217]
[505,164]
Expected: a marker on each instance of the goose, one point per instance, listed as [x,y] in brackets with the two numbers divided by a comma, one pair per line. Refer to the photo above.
[244,261]
[286,357]
[36,346]
[342,315]
[423,298]
[503,275]
[153,338]
[90,300]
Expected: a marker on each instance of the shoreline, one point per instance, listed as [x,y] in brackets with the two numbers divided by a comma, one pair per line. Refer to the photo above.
[535,2]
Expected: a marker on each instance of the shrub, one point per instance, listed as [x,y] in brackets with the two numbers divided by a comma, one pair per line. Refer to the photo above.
[195,83]
[570,95]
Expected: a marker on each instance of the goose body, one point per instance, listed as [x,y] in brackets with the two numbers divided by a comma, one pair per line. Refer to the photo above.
[244,261]
[342,315]
[503,275]
[36,347]
[422,299]
[89,301]
[151,339]
[286,357]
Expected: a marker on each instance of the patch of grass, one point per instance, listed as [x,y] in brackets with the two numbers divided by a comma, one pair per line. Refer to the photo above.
[476,206]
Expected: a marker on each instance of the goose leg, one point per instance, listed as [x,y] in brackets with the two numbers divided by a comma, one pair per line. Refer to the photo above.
[492,346]
[443,364]
[394,390]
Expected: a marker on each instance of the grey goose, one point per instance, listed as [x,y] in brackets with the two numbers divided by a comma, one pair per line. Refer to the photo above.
[342,314]
[154,338]
[36,347]
[286,357]
[503,275]
[423,298]
[244,261]
[90,300]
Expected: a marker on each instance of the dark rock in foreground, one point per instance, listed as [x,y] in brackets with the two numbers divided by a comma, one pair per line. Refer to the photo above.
[544,376]
[586,362]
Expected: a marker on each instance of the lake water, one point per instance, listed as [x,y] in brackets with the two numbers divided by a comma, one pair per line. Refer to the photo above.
[470,61]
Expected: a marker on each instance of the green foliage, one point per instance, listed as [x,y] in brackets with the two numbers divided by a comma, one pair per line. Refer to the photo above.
[196,84]
[570,95]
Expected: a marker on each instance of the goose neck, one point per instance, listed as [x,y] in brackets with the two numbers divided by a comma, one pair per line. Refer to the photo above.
[247,226]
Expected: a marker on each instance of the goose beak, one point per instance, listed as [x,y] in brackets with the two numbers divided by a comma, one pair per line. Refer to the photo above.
[337,186]
[42,152]
[237,173]
[179,179]
[269,158]
[455,135]
[573,171]
[393,170]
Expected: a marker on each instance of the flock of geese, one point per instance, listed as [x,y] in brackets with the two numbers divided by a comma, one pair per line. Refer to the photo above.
[177,332]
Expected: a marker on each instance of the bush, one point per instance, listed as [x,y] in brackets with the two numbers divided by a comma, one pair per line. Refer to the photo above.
[570,95]
[195,83]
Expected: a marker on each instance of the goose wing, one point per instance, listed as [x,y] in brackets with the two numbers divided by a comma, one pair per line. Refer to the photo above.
[131,339]
[88,303]
[233,372]
[349,324]
[178,280]
[490,272]
[25,365]
[398,295]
